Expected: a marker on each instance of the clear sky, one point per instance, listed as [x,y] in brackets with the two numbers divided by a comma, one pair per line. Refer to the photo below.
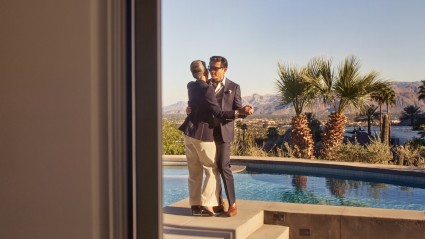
[386,35]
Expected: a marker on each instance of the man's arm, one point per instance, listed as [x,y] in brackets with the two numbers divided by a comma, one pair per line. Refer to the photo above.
[237,100]
[215,108]
[237,104]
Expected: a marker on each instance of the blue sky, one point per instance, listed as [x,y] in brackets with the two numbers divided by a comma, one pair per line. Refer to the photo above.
[386,35]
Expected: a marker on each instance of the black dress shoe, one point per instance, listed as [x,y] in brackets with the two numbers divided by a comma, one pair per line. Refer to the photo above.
[207,213]
[196,210]
[219,208]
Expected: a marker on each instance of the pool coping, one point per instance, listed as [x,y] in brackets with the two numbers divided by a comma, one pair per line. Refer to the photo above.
[364,167]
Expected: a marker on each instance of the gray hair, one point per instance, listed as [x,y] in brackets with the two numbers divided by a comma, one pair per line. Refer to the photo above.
[198,68]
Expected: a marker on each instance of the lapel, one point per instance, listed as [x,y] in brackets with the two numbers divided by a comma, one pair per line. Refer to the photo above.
[226,88]
[226,93]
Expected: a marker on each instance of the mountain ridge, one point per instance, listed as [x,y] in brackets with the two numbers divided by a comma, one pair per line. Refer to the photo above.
[269,104]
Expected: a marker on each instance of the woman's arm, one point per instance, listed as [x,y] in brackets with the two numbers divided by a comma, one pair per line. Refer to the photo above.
[215,108]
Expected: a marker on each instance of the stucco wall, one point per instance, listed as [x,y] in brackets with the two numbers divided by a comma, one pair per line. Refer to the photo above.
[52,97]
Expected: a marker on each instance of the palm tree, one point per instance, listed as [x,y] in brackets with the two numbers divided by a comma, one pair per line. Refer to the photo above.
[378,95]
[293,89]
[389,99]
[421,93]
[410,112]
[368,115]
[347,88]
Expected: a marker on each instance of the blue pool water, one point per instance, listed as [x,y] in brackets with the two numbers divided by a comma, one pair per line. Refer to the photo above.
[293,187]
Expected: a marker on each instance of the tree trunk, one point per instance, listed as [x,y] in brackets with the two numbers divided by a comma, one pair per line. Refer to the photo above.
[333,135]
[380,117]
[389,124]
[384,132]
[369,126]
[301,137]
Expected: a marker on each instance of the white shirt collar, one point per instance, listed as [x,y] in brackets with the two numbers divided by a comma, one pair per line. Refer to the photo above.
[223,82]
[220,85]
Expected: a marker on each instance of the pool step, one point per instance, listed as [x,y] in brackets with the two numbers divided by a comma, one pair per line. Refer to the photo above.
[270,232]
[178,223]
[248,223]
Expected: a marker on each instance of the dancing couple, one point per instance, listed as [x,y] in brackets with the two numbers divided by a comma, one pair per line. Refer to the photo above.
[208,131]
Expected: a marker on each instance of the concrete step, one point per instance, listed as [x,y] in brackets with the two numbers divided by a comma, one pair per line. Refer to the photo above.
[179,223]
[270,232]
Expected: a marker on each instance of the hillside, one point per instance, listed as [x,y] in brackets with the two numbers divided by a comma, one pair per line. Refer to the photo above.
[406,94]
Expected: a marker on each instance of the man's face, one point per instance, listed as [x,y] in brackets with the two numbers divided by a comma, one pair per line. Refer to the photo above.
[217,71]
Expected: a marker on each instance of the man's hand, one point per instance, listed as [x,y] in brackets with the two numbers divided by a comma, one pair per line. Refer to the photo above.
[251,110]
[246,110]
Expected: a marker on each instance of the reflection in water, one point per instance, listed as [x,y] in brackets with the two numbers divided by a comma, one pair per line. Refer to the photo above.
[299,182]
[301,195]
[340,187]
[297,187]
[337,187]
[354,185]
[341,191]
[376,190]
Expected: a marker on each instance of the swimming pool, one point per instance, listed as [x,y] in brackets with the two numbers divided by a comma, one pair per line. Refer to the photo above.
[308,188]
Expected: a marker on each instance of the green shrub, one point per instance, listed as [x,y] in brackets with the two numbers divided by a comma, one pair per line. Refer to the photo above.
[350,152]
[172,139]
[244,145]
[378,152]
[290,152]
[408,155]
[374,152]
[416,143]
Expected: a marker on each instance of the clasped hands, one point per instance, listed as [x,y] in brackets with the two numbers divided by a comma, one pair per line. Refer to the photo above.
[246,110]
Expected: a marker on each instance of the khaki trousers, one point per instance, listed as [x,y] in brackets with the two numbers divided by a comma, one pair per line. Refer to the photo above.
[201,158]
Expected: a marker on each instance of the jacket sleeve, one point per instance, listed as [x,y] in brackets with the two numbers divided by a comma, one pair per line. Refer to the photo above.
[237,101]
[215,108]
[190,88]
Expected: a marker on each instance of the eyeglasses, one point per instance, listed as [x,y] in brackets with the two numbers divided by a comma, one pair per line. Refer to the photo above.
[214,68]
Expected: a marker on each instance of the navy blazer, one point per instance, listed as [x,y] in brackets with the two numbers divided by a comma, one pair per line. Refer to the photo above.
[231,100]
[202,100]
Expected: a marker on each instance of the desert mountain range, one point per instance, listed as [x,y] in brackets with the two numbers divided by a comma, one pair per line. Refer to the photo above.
[406,94]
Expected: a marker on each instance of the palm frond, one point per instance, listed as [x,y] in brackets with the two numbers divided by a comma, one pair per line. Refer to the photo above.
[292,88]
[351,87]
[421,93]
[320,75]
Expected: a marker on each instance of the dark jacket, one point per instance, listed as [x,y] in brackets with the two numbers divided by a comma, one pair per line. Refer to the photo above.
[202,100]
[229,99]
